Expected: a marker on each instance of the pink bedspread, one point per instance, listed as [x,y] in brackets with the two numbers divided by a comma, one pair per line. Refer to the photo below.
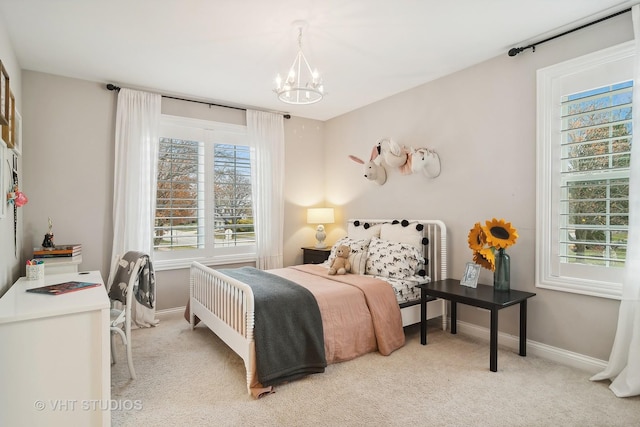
[359,315]
[357,318]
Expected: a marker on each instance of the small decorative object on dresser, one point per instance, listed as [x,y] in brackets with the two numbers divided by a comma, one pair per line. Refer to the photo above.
[48,237]
[315,255]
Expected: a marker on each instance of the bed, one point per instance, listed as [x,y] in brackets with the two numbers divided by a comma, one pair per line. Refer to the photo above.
[362,311]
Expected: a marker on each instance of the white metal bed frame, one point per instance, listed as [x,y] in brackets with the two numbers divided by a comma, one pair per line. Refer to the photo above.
[226,305]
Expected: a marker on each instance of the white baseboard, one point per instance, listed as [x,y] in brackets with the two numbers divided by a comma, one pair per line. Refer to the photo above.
[171,310]
[558,355]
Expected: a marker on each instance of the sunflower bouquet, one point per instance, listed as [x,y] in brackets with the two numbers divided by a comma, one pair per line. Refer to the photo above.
[485,240]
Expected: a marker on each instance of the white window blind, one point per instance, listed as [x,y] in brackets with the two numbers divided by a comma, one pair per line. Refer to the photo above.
[180,195]
[232,195]
[583,156]
[595,156]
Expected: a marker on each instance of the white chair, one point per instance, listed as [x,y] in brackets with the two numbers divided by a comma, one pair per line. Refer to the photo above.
[121,319]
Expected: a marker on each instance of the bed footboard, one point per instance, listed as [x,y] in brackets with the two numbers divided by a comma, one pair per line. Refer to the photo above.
[226,306]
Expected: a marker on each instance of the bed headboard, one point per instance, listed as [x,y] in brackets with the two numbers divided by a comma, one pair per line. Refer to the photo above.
[433,239]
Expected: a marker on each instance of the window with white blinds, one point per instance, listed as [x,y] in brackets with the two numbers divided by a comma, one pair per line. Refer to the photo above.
[583,158]
[179,222]
[595,156]
[232,196]
[204,205]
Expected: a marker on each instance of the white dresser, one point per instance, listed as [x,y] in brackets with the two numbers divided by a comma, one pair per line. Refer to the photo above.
[55,355]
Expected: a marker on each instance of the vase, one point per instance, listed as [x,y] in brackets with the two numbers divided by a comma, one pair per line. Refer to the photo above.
[502,273]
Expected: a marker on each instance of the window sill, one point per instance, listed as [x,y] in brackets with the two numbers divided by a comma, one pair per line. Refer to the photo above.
[603,290]
[182,263]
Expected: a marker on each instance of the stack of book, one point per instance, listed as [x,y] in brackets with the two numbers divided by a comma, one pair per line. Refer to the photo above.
[72,252]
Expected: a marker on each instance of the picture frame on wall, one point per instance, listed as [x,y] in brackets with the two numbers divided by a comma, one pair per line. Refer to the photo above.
[17,133]
[8,131]
[4,96]
[4,172]
[470,277]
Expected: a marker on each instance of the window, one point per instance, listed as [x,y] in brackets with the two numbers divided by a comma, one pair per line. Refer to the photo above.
[204,205]
[584,151]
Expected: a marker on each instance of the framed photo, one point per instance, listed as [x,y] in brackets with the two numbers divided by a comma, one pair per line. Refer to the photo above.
[4,96]
[8,131]
[17,134]
[4,171]
[471,273]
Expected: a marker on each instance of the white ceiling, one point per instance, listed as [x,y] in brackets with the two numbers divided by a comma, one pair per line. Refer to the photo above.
[229,51]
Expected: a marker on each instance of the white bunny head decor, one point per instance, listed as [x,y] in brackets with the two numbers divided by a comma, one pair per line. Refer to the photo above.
[373,170]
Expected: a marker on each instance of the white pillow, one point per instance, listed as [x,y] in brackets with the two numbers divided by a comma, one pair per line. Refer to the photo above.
[363,230]
[398,233]
[358,255]
[396,260]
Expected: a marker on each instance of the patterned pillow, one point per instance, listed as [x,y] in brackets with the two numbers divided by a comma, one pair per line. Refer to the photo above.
[407,232]
[392,259]
[358,256]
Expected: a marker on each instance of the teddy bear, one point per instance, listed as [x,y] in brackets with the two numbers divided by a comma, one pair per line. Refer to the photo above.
[341,264]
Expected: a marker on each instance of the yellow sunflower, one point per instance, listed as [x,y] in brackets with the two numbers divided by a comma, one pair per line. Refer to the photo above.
[500,234]
[476,237]
[485,258]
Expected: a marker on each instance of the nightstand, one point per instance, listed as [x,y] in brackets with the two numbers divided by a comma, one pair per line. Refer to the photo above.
[315,255]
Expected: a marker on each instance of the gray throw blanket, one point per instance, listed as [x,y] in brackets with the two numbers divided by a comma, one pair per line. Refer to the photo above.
[144,290]
[288,327]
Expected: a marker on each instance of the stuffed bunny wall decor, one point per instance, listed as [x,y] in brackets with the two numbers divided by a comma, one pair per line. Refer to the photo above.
[407,160]
[373,169]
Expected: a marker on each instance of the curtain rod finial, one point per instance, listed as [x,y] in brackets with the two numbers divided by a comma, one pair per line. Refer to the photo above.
[112,87]
[516,50]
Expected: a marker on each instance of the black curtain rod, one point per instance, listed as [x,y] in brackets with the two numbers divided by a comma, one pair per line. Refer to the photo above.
[117,88]
[516,50]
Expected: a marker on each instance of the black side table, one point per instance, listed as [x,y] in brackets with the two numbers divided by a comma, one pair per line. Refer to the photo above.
[484,297]
[315,255]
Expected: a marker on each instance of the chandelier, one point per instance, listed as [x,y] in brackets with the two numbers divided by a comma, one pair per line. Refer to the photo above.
[302,84]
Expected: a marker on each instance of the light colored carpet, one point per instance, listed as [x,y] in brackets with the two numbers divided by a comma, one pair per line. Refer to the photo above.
[192,378]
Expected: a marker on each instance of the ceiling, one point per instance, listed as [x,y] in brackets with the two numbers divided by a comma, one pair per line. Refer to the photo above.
[229,51]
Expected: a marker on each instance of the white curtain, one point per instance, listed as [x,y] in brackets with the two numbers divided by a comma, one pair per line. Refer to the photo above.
[134,191]
[624,362]
[266,137]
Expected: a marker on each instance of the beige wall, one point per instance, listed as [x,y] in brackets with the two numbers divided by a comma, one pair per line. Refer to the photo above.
[68,165]
[69,127]
[482,122]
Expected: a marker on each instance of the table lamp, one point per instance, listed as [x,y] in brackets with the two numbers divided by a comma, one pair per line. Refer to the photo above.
[320,216]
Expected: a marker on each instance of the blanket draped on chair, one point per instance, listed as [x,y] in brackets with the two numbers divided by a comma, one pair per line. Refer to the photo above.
[144,291]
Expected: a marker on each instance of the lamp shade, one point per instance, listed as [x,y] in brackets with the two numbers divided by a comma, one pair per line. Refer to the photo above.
[320,216]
